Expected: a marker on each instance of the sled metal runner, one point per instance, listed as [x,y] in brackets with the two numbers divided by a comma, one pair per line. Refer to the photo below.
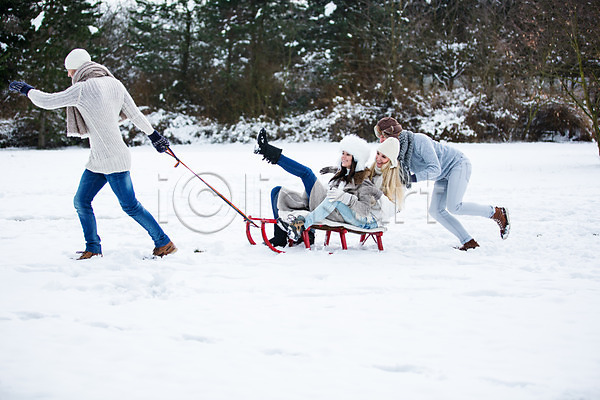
[330,226]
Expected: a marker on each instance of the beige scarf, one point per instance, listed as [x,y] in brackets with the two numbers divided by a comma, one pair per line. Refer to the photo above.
[75,124]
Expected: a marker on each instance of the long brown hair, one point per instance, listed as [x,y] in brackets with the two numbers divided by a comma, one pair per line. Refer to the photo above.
[347,176]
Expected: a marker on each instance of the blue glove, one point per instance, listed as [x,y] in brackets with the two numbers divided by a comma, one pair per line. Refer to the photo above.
[20,87]
[160,143]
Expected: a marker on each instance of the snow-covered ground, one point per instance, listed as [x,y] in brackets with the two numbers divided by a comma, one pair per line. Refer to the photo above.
[221,319]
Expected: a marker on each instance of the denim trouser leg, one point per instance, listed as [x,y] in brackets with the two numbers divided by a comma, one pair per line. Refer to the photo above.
[437,209]
[89,185]
[121,185]
[295,168]
[457,186]
[301,171]
[447,198]
[274,197]
[327,207]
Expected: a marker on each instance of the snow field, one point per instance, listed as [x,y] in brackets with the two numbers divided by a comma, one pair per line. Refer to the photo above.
[222,319]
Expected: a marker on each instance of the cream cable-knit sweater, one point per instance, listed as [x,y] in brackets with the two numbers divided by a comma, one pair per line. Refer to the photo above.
[100,101]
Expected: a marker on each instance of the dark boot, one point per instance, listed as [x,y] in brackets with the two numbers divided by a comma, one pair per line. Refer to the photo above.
[501,218]
[294,228]
[270,152]
[279,238]
[471,244]
[311,238]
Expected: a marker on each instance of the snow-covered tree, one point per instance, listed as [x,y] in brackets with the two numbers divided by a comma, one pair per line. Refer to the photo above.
[56,27]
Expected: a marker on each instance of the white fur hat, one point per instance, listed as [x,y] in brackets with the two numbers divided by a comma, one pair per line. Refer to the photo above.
[390,148]
[359,149]
[76,58]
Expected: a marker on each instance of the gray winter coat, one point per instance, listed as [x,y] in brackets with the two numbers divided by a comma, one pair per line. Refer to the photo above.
[364,196]
[432,160]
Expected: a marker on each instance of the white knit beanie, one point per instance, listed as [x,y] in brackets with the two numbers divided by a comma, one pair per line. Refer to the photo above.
[359,149]
[76,58]
[390,148]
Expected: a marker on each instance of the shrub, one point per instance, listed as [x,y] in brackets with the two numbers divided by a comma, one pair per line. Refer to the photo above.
[557,122]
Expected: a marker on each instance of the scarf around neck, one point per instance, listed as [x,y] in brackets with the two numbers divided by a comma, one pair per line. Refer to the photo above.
[406,139]
[76,125]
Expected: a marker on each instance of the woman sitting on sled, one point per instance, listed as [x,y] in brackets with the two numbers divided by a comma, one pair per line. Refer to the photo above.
[349,197]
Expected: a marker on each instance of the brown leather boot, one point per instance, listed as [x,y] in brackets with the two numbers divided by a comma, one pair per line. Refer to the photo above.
[501,218]
[471,244]
[86,255]
[162,251]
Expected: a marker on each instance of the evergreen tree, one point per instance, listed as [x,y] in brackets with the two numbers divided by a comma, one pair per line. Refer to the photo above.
[166,46]
[364,46]
[16,29]
[63,25]
[252,48]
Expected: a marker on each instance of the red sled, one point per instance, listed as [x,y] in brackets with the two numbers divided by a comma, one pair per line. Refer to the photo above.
[329,226]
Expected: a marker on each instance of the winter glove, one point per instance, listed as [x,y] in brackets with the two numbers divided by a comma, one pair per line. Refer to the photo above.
[337,194]
[328,170]
[20,87]
[160,143]
[334,193]
[413,178]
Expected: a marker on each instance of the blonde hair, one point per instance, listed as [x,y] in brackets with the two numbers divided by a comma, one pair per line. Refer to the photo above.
[391,184]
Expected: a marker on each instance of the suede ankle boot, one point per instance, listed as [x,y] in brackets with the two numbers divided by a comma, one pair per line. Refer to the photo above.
[501,218]
[86,255]
[471,244]
[162,251]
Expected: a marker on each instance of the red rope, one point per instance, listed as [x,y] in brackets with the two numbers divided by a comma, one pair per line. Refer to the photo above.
[225,199]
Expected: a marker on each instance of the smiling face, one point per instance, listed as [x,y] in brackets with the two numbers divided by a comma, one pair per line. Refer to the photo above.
[380,160]
[346,160]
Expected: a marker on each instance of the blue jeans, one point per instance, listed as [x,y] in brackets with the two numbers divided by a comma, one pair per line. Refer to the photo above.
[120,183]
[327,207]
[448,198]
[295,168]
